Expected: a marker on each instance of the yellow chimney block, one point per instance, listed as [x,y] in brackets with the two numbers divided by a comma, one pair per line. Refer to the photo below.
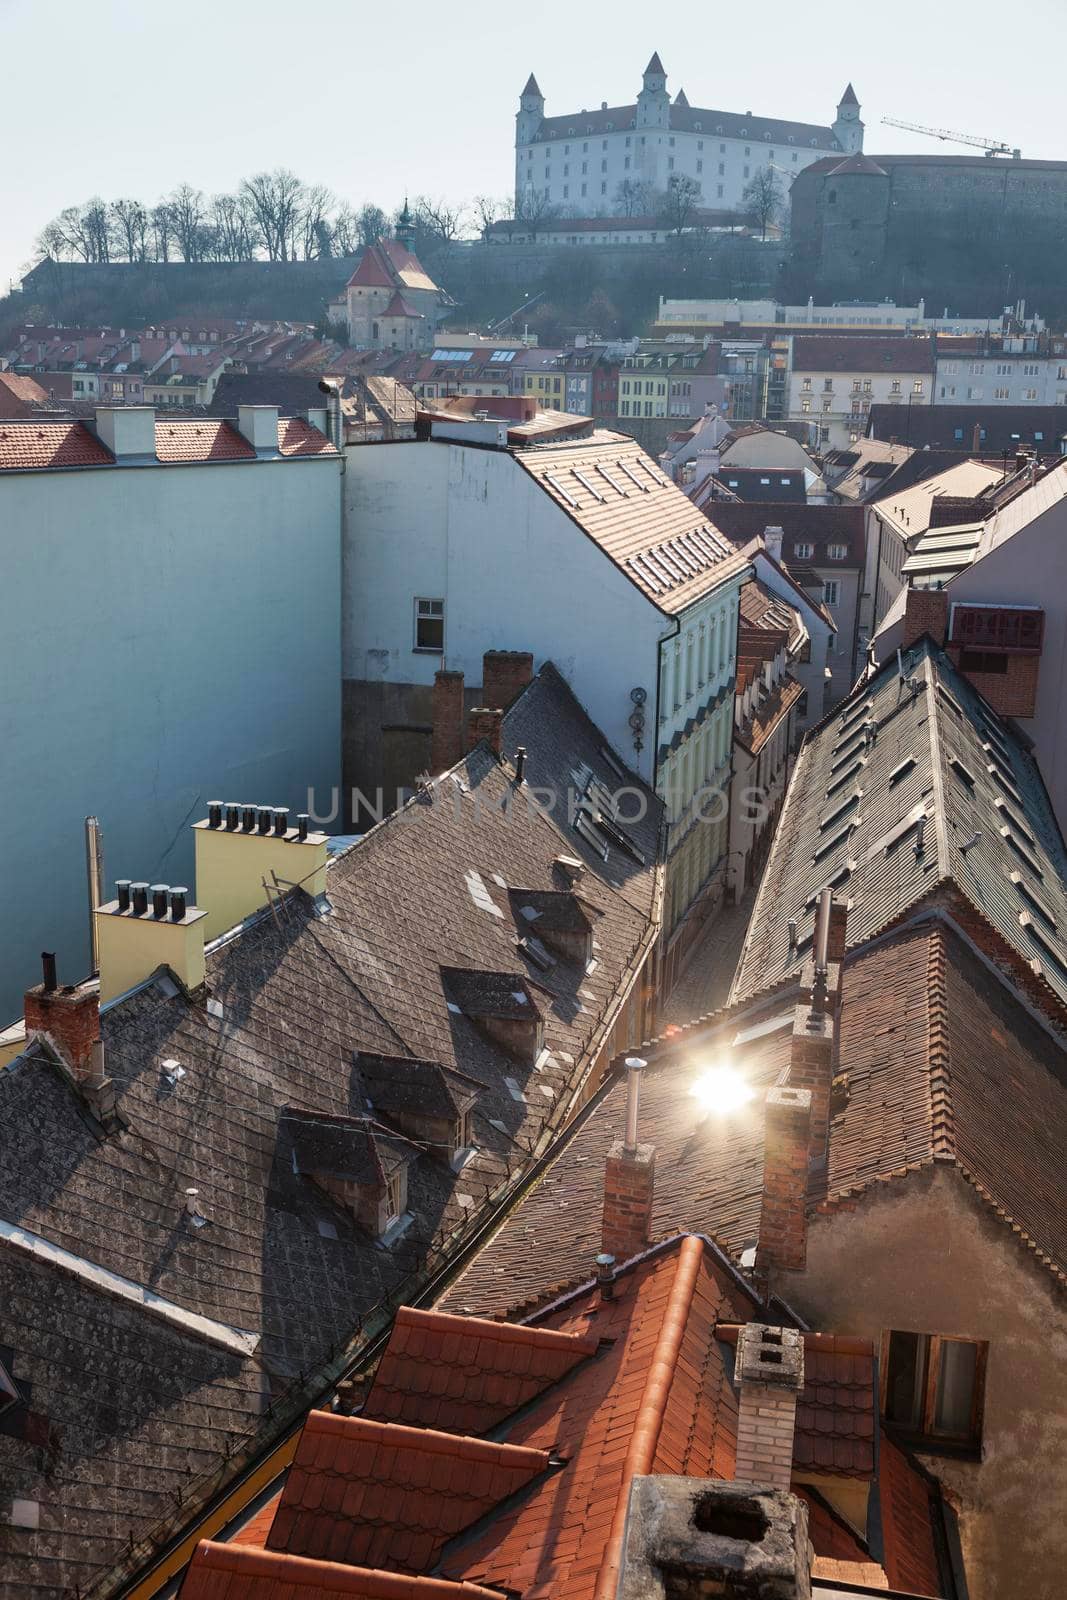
[132,946]
[236,870]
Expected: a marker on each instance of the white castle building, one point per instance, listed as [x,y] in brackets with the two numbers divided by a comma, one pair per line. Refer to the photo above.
[578,161]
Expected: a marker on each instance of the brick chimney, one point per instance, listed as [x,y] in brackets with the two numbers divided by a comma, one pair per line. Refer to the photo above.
[483,723]
[686,1538]
[783,1216]
[811,1066]
[629,1181]
[69,1016]
[447,739]
[925,611]
[505,673]
[770,1373]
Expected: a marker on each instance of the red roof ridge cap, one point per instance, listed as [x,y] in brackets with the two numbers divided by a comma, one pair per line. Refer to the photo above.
[428,1440]
[338,1577]
[645,1436]
[506,1332]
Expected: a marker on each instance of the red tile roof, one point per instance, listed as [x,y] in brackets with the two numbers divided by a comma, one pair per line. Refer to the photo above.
[20,396]
[398,307]
[236,1572]
[466,1376]
[203,440]
[835,1420]
[907,1532]
[299,438]
[371,1493]
[50,444]
[372,272]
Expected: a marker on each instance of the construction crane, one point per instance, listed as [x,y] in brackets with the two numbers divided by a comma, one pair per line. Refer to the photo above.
[991,147]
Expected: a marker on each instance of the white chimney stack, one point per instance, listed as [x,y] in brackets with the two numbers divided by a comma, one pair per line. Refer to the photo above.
[772,539]
[129,432]
[259,425]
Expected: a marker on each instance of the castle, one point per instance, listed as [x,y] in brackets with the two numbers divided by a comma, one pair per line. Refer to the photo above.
[596,163]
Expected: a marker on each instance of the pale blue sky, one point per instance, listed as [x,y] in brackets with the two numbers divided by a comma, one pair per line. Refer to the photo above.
[132,96]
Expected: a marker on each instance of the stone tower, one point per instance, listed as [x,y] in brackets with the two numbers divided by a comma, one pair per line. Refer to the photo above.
[654,103]
[847,127]
[531,112]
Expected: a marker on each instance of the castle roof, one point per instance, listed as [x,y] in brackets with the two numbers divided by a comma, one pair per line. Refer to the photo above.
[532,87]
[858,164]
[680,98]
[655,65]
[849,96]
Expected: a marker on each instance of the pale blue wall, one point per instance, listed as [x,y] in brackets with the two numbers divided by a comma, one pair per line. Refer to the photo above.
[169,635]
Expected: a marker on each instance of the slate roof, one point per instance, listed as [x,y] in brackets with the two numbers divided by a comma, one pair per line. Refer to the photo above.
[809,524]
[353,1149]
[760,484]
[619,497]
[685,118]
[1002,427]
[400,1083]
[866,352]
[852,819]
[291,392]
[277,1266]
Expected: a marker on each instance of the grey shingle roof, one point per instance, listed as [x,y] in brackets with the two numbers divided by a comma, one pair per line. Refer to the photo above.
[301,996]
[943,800]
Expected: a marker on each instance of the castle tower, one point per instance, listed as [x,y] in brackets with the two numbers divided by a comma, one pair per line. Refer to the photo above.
[531,112]
[847,127]
[654,103]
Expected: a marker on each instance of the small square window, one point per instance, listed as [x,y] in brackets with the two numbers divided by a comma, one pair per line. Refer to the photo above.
[933,1387]
[430,625]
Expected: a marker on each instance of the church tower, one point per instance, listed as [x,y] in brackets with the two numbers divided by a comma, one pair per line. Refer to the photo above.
[847,127]
[530,114]
[654,103]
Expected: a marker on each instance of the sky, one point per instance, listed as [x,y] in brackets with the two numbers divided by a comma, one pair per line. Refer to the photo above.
[132,97]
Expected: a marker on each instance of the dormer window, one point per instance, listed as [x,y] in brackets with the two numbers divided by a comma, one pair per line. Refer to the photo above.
[501,1005]
[358,1162]
[425,1100]
[556,918]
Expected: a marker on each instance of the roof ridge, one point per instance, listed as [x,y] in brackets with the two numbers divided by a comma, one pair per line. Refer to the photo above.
[503,1332]
[942,1130]
[641,1452]
[400,1436]
[320,1577]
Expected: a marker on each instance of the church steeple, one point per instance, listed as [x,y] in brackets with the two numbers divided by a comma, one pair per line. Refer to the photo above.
[405,227]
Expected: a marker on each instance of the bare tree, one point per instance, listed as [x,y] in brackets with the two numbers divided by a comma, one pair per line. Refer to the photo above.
[533,209]
[633,198]
[316,226]
[487,210]
[129,224]
[232,227]
[345,230]
[442,222]
[162,231]
[762,196]
[276,202]
[187,217]
[678,202]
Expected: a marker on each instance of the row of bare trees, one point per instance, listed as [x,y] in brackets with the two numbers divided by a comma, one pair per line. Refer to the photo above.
[272,215]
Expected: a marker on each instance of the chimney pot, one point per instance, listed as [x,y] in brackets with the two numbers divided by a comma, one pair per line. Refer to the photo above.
[233,816]
[159,900]
[140,899]
[302,825]
[48,964]
[178,902]
[248,819]
[605,1275]
[122,890]
[266,819]
[281,821]
[634,1067]
[214,813]
[520,764]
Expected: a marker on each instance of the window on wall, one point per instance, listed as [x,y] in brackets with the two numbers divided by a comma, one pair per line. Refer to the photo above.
[932,1387]
[831,591]
[430,625]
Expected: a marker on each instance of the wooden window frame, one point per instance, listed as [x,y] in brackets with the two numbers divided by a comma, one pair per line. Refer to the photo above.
[926,1436]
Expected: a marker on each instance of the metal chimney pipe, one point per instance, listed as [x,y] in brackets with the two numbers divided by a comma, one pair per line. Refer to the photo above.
[302,820]
[48,964]
[822,931]
[266,819]
[233,816]
[248,819]
[94,871]
[605,1275]
[191,1196]
[140,898]
[214,813]
[159,900]
[122,889]
[179,895]
[634,1067]
[520,763]
[281,821]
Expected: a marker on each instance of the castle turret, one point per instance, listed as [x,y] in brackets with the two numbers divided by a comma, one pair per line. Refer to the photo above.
[654,103]
[847,127]
[531,112]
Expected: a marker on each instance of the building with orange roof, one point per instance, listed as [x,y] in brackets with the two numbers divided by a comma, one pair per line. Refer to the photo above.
[391,302]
